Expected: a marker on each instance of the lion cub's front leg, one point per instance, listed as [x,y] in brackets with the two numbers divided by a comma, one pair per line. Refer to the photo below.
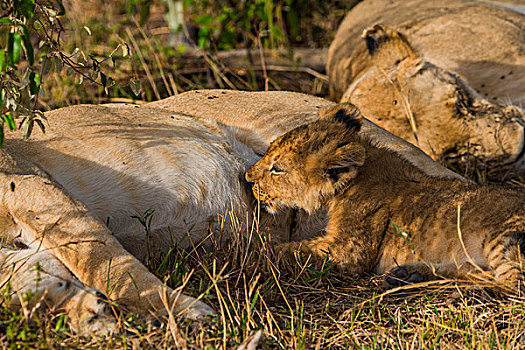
[353,254]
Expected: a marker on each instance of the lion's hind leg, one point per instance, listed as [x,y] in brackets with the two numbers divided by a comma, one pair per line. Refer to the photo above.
[505,260]
[34,279]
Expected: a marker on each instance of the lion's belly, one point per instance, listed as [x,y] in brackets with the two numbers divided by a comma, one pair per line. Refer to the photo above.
[185,179]
[179,191]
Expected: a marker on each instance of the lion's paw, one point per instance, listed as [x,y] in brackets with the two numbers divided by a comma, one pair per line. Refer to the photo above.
[409,273]
[195,309]
[91,313]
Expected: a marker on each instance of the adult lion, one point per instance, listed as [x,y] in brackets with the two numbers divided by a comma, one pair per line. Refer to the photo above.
[400,76]
[68,195]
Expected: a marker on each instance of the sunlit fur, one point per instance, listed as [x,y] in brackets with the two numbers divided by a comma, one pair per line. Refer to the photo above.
[384,211]
[69,197]
[405,80]
[72,192]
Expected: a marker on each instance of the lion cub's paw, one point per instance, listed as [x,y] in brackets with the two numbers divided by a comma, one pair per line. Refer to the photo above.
[284,249]
[409,273]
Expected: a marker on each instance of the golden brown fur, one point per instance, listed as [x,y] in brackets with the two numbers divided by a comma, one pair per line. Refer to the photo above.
[482,41]
[404,77]
[68,196]
[384,211]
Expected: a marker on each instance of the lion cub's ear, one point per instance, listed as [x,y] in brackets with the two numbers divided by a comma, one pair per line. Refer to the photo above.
[387,47]
[345,113]
[341,166]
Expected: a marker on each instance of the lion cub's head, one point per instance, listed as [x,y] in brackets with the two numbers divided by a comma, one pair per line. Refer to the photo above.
[310,163]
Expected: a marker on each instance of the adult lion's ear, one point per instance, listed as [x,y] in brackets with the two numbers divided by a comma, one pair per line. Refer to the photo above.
[342,165]
[345,113]
[387,47]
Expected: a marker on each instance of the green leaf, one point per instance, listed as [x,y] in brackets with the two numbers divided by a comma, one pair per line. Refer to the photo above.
[144,11]
[75,53]
[135,87]
[34,83]
[6,20]
[96,64]
[293,23]
[46,65]
[26,8]
[125,49]
[13,47]
[25,80]
[2,136]
[27,128]
[41,125]
[62,10]
[28,46]
[104,81]
[58,64]
[205,19]
[2,60]
[10,121]
[204,38]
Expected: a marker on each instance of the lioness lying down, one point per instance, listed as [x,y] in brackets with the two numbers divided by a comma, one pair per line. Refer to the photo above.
[386,214]
[403,77]
[68,196]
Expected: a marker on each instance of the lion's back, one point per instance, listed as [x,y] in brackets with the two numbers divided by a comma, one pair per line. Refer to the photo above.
[483,42]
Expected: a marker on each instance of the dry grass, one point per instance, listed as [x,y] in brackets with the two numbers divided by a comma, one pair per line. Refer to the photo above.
[296,305]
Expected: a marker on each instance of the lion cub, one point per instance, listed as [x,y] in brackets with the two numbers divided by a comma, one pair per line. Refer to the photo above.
[385,213]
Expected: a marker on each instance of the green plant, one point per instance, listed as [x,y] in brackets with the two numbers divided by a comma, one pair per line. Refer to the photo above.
[145,221]
[225,24]
[30,46]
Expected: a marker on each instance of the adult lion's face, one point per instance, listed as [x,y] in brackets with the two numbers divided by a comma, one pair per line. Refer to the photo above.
[434,108]
[309,164]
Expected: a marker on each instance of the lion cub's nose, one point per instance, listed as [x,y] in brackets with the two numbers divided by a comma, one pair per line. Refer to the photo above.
[248,175]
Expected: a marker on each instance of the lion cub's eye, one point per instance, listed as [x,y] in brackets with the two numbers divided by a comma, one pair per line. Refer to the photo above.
[276,170]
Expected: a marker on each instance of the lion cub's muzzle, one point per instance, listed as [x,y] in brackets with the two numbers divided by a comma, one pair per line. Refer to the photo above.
[262,198]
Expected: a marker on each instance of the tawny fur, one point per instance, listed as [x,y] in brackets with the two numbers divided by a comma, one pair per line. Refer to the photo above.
[448,72]
[72,191]
[383,211]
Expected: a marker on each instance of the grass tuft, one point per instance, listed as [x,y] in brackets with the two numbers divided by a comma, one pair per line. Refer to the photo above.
[295,304]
